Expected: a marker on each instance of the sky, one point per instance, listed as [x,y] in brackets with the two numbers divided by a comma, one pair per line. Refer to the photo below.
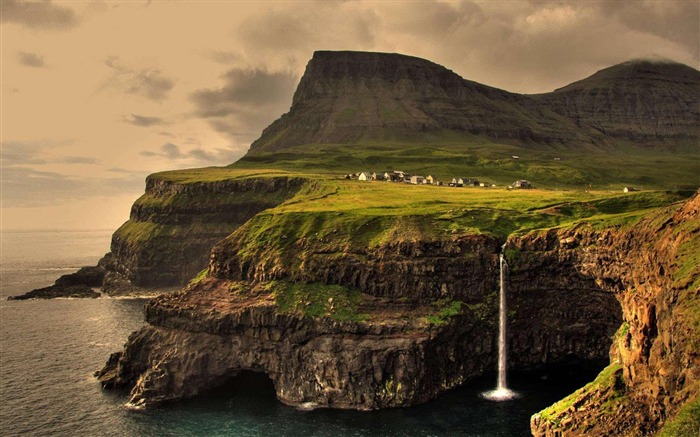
[97,95]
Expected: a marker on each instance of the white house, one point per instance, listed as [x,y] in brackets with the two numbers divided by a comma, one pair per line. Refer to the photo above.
[365,176]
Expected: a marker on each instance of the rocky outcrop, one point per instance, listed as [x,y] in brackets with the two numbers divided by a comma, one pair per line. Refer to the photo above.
[56,291]
[75,285]
[189,347]
[175,223]
[652,269]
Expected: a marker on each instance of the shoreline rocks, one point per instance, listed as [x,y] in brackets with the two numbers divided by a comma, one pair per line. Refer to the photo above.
[75,285]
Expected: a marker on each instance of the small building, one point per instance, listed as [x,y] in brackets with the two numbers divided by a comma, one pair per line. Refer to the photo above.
[429,179]
[377,176]
[365,176]
[629,189]
[522,184]
[417,180]
[465,182]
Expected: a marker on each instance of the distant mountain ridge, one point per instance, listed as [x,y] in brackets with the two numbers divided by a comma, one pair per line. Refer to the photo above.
[638,100]
[352,97]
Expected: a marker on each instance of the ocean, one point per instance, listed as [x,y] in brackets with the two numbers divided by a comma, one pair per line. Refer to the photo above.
[49,350]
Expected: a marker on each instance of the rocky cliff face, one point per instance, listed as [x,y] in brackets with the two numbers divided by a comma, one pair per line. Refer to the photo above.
[407,340]
[174,225]
[652,268]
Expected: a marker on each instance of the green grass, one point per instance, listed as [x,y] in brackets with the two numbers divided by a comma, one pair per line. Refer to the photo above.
[317,300]
[448,155]
[142,232]
[202,275]
[686,423]
[446,309]
[608,380]
[216,174]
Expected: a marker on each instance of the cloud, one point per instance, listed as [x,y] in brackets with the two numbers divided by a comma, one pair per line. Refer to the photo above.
[223,57]
[27,154]
[26,184]
[142,120]
[44,15]
[31,60]
[77,160]
[195,156]
[247,102]
[150,83]
[526,46]
[20,153]
[27,187]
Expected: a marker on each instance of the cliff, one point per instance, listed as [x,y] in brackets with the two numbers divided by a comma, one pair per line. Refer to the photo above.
[359,311]
[653,270]
[173,226]
[364,323]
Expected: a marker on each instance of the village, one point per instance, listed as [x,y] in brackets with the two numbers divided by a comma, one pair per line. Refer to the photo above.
[398,176]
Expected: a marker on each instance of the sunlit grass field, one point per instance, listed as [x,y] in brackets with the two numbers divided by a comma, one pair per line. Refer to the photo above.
[546,167]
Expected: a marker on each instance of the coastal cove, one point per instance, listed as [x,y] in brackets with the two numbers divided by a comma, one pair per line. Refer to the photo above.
[48,387]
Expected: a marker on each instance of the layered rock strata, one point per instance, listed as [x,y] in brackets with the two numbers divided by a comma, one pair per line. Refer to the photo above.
[173,226]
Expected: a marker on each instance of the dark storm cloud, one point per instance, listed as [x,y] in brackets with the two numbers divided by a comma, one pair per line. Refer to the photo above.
[150,83]
[247,102]
[31,60]
[43,15]
[197,156]
[142,120]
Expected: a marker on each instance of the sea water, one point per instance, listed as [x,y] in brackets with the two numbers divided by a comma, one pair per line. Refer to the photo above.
[49,350]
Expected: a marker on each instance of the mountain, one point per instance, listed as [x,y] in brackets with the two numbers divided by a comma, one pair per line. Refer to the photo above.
[350,97]
[360,97]
[637,100]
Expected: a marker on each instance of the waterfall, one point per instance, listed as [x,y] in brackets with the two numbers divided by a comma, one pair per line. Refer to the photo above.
[502,392]
[502,316]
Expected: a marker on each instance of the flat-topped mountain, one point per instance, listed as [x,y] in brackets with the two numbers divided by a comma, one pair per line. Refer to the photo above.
[360,97]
